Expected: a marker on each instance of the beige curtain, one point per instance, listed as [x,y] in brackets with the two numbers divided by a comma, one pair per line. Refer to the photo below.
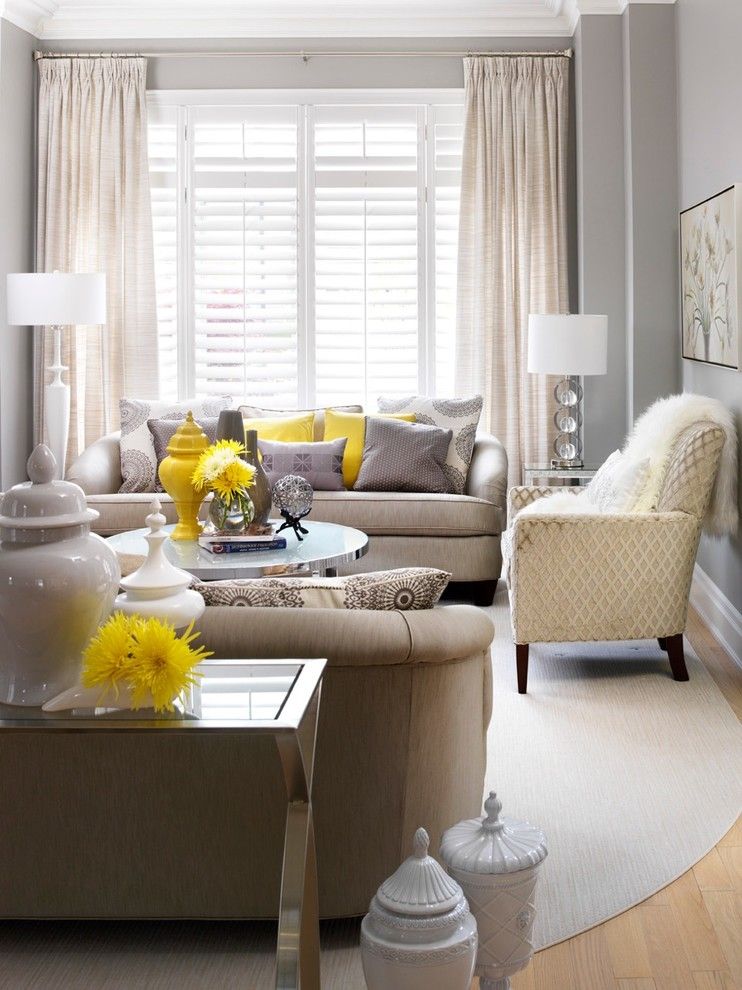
[512,242]
[94,214]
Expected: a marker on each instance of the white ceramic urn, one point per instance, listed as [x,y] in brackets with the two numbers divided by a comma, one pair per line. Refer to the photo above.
[57,583]
[496,860]
[159,589]
[419,933]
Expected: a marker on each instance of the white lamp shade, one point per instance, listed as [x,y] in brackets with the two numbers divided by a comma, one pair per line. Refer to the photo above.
[567,344]
[40,299]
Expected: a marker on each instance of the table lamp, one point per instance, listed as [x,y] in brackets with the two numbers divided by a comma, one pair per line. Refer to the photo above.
[568,345]
[57,299]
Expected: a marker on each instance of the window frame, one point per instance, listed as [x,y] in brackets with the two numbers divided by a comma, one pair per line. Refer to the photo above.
[180,104]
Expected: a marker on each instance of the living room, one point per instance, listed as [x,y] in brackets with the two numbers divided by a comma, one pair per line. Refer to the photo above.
[370,563]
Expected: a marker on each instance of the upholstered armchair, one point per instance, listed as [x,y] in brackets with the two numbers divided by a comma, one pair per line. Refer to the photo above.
[587,577]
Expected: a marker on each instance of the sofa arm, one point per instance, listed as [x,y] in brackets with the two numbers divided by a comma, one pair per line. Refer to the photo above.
[601,577]
[520,496]
[488,473]
[98,469]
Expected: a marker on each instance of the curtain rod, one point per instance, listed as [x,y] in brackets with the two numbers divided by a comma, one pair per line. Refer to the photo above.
[305,55]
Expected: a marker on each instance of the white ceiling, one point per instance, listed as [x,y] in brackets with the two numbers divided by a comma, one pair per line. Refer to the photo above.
[109,19]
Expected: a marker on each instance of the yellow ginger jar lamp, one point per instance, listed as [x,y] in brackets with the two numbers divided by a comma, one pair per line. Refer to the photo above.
[176,471]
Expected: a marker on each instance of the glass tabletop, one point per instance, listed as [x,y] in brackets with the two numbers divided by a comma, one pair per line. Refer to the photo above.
[326,545]
[229,694]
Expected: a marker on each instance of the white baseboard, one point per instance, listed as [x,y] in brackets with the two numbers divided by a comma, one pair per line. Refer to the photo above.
[722,618]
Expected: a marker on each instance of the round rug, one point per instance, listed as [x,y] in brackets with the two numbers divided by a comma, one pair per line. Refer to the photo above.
[633,776]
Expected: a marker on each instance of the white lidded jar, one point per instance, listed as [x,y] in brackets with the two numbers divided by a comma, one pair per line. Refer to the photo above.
[496,860]
[159,589]
[57,583]
[419,933]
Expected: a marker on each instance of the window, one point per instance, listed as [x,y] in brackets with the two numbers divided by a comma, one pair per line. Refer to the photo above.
[305,252]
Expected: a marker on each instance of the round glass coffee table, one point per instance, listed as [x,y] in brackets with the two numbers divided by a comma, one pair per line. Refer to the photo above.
[326,546]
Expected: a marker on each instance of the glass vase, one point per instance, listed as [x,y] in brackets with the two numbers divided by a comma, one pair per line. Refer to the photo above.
[231,517]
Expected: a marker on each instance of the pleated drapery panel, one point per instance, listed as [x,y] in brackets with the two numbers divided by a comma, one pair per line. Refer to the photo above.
[94,214]
[512,257]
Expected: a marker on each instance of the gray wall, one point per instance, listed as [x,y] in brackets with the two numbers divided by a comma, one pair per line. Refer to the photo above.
[17,91]
[651,181]
[601,220]
[709,33]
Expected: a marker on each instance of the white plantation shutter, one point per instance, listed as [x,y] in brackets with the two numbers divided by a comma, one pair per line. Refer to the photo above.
[305,254]
[446,134]
[366,207]
[244,229]
[163,159]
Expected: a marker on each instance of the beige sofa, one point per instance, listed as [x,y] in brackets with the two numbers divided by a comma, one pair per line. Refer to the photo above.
[164,826]
[458,533]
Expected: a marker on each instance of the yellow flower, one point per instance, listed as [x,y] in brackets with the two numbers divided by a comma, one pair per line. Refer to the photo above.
[220,469]
[107,658]
[162,663]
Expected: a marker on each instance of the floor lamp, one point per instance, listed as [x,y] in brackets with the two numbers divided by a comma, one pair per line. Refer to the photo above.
[57,300]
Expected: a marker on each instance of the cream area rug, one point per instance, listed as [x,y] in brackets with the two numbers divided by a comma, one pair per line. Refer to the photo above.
[632,776]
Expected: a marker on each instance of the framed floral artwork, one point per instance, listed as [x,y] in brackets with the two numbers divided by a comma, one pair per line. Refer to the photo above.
[710,277]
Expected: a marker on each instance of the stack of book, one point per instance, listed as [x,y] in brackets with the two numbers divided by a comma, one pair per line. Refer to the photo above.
[260,540]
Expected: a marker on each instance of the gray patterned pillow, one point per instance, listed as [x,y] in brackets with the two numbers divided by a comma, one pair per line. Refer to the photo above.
[162,431]
[402,590]
[320,463]
[459,415]
[403,457]
[138,459]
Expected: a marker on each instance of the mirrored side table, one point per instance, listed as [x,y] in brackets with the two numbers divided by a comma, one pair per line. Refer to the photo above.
[551,477]
[276,698]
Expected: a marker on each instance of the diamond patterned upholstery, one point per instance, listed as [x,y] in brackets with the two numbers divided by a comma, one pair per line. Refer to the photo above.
[612,576]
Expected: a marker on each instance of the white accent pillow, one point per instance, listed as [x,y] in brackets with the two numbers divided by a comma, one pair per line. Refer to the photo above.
[138,457]
[616,488]
[618,483]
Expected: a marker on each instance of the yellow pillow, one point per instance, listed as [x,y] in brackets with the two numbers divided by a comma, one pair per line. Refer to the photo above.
[353,426]
[288,429]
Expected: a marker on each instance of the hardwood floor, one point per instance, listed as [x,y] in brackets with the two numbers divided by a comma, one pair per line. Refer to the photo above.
[686,937]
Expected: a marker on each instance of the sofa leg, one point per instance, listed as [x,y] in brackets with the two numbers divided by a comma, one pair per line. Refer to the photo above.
[676,658]
[521,659]
[663,643]
[484,592]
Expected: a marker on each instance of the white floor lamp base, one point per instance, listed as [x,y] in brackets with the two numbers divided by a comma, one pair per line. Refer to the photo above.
[57,400]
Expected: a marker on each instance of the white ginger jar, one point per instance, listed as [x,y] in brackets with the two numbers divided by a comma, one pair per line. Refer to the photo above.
[57,583]
[496,860]
[419,933]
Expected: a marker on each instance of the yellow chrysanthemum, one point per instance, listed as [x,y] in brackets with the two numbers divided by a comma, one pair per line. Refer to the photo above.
[107,659]
[162,663]
[220,469]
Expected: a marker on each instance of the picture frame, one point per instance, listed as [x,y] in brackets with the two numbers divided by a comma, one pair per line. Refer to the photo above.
[710,239]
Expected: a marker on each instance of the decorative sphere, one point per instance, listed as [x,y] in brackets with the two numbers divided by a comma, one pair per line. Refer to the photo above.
[293,495]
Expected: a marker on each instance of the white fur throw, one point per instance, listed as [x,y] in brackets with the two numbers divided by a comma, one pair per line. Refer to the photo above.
[654,436]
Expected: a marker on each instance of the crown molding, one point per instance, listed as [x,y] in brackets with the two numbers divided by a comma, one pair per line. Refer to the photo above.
[28,14]
[173,19]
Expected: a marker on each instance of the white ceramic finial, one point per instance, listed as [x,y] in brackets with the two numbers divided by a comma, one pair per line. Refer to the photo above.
[41,466]
[155,520]
[493,807]
[421,843]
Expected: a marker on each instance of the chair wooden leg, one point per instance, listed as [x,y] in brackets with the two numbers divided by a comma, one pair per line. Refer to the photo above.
[663,643]
[676,658]
[521,659]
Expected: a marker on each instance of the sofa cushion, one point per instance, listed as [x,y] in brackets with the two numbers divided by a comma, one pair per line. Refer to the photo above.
[407,513]
[260,412]
[352,425]
[404,457]
[319,462]
[285,429]
[138,459]
[459,415]
[402,590]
